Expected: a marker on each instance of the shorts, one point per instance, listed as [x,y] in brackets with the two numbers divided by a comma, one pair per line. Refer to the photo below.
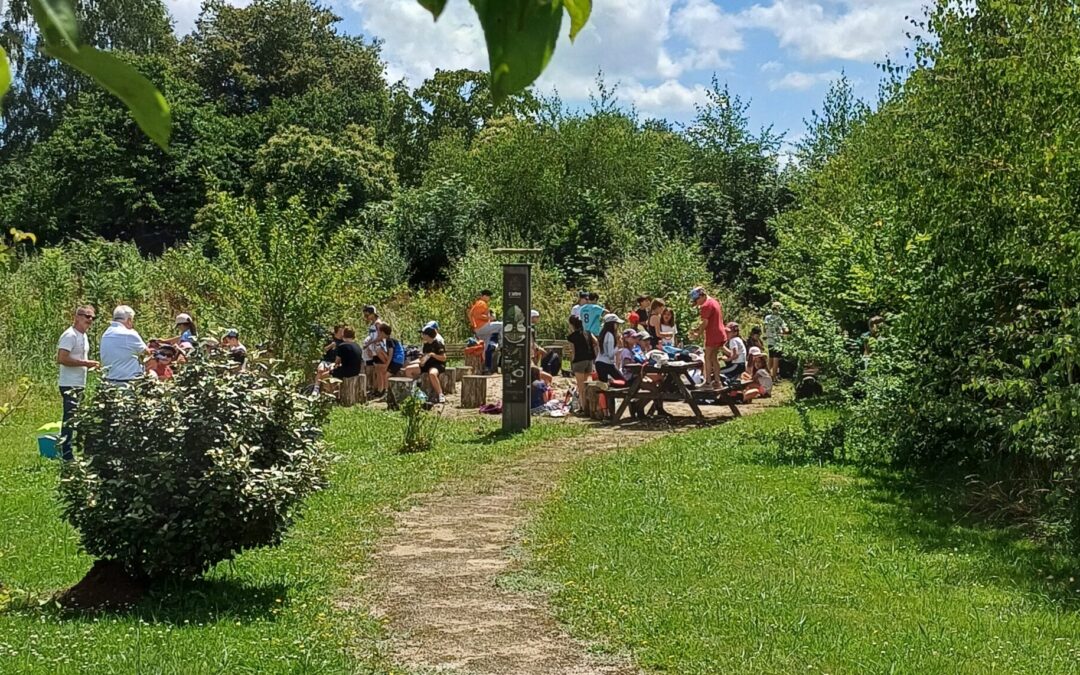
[710,344]
[607,372]
[433,363]
[395,368]
[776,354]
[733,371]
[340,373]
[582,367]
[371,362]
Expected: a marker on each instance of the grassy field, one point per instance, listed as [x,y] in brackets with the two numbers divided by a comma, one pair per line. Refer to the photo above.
[281,610]
[696,556]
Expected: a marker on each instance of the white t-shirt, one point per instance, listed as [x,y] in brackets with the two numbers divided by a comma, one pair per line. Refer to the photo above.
[738,350]
[576,311]
[370,343]
[121,348]
[607,349]
[764,380]
[78,345]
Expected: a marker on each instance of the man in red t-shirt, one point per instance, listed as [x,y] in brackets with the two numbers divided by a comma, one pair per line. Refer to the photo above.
[712,322]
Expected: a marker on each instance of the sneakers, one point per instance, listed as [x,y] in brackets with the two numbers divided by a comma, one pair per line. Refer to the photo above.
[441,399]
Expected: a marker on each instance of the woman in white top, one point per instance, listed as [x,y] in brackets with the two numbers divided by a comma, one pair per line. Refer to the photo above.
[760,382]
[736,353]
[605,360]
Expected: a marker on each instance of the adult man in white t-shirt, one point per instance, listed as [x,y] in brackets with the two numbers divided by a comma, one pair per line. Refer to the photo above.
[72,354]
[121,348]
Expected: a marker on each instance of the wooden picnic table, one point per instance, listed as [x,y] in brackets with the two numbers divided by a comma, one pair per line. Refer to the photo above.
[674,386]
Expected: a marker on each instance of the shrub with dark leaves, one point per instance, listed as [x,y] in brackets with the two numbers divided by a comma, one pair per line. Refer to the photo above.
[175,476]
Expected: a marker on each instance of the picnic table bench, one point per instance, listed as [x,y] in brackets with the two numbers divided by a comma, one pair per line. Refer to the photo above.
[674,387]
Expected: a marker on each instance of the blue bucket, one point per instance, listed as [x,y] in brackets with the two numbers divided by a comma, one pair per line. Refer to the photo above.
[48,446]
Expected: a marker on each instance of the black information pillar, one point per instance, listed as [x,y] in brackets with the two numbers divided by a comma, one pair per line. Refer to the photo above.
[516,339]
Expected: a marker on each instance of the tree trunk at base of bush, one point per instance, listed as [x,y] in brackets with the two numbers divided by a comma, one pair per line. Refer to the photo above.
[473,391]
[106,586]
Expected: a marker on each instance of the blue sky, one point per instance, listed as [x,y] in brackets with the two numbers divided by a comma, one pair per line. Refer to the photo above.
[780,54]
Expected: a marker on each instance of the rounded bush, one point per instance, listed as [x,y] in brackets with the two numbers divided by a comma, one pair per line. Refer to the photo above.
[173,477]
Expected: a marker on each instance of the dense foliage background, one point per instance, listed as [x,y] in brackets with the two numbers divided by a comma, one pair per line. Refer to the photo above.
[295,195]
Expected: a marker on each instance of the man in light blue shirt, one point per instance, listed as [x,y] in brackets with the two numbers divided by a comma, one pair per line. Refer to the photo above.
[121,348]
[591,314]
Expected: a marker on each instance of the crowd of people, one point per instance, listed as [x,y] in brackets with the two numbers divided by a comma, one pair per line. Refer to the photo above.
[124,356]
[606,347]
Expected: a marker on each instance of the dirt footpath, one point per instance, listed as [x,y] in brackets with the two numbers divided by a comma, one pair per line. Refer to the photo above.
[435,575]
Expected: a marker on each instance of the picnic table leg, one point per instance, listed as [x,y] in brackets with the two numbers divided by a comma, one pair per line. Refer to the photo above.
[627,399]
[689,398]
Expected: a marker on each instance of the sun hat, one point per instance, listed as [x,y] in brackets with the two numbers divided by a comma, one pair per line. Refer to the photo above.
[609,318]
[533,314]
[696,293]
[644,335]
[755,351]
[433,325]
[777,306]
[733,325]
[629,332]
[369,309]
[183,318]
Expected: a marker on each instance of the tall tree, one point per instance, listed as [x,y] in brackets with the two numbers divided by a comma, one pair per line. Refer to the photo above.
[245,57]
[43,86]
[826,131]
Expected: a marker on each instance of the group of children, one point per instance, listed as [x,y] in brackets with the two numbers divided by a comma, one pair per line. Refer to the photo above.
[343,357]
[604,349]
[166,352]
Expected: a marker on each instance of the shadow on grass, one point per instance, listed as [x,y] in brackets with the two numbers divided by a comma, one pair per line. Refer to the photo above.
[931,513]
[174,602]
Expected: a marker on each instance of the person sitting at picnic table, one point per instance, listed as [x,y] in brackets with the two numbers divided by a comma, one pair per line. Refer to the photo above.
[432,361]
[585,349]
[667,329]
[159,365]
[628,355]
[712,319]
[735,352]
[348,359]
[759,381]
[607,352]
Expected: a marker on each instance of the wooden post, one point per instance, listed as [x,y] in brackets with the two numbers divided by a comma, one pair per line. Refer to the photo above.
[398,390]
[475,363]
[591,400]
[460,372]
[473,391]
[448,382]
[353,390]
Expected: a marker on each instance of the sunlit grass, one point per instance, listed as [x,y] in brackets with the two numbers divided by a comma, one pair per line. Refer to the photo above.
[695,558]
[291,609]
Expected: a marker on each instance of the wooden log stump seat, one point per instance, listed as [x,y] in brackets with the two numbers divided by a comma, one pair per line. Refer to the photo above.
[353,390]
[397,391]
[446,380]
[473,391]
[460,372]
[475,363]
[591,400]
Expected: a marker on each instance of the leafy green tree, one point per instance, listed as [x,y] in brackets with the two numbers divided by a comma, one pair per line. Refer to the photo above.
[135,191]
[826,131]
[247,56]
[433,226]
[43,86]
[342,172]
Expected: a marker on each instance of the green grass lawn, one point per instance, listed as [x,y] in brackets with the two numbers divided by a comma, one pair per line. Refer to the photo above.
[696,557]
[266,611]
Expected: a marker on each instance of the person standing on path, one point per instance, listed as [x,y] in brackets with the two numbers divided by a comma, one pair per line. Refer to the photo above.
[122,347]
[72,353]
[775,330]
[712,323]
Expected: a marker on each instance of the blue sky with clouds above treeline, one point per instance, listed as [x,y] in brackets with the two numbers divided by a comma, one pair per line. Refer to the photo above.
[662,54]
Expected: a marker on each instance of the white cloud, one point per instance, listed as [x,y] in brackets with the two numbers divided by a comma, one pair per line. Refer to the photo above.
[801,81]
[856,30]
[667,98]
[771,66]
